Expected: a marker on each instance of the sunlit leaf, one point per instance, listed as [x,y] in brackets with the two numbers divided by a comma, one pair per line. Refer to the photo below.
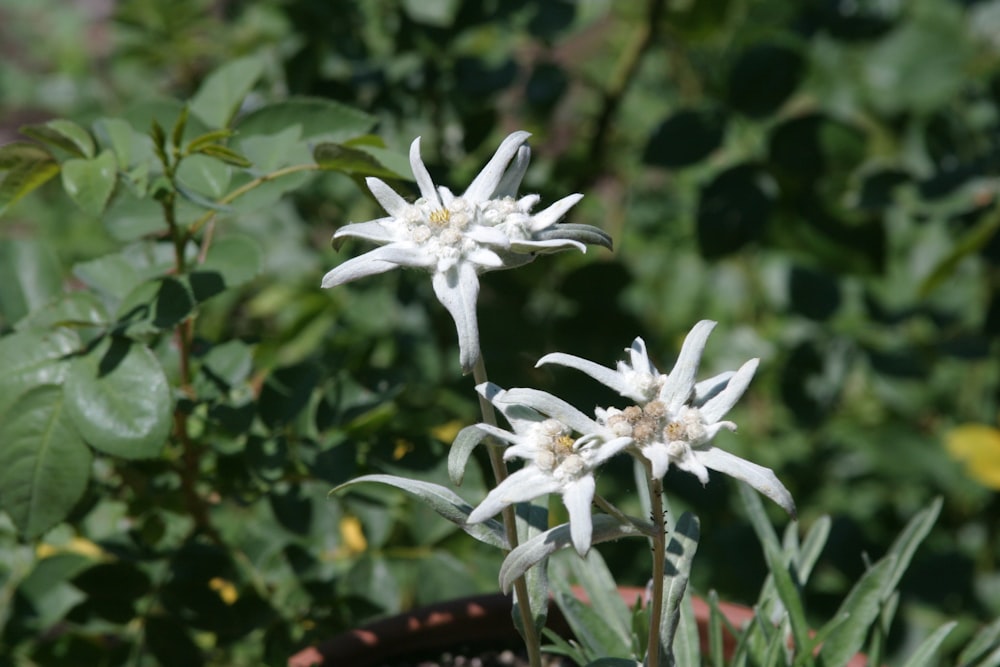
[30,276]
[317,118]
[33,358]
[90,182]
[44,463]
[28,166]
[442,500]
[119,399]
[64,134]
[222,91]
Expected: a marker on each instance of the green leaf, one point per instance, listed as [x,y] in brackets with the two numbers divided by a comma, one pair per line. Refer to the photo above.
[927,651]
[443,501]
[545,544]
[119,399]
[593,575]
[680,555]
[90,182]
[44,464]
[782,570]
[205,175]
[28,166]
[32,358]
[111,274]
[236,259]
[532,518]
[687,647]
[986,640]
[30,277]
[74,309]
[119,136]
[971,242]
[64,134]
[461,450]
[861,608]
[589,627]
[208,138]
[352,161]
[220,95]
[317,118]
[227,155]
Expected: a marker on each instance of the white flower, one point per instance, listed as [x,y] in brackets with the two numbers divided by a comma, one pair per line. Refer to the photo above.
[675,419]
[457,238]
[557,461]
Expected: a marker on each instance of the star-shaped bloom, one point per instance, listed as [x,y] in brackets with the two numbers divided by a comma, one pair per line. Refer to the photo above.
[458,238]
[674,419]
[557,460]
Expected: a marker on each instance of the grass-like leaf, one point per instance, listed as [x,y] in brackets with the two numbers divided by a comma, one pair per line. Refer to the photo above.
[442,500]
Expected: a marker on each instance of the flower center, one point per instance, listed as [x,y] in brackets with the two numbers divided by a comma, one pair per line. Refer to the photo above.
[440,216]
[654,423]
[556,452]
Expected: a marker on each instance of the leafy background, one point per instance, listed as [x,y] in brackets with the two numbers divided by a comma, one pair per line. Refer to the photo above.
[820,177]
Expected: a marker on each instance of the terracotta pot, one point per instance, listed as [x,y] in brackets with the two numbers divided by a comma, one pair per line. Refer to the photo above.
[482,620]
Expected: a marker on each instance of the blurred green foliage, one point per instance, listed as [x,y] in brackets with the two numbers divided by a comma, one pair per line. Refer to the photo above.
[821,177]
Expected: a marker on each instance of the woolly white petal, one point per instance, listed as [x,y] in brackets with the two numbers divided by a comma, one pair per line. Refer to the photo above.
[554,212]
[457,289]
[577,496]
[717,406]
[484,257]
[486,182]
[640,357]
[488,236]
[761,478]
[679,384]
[512,178]
[422,176]
[659,457]
[526,484]
[706,389]
[376,261]
[375,231]
[606,376]
[552,406]
[390,200]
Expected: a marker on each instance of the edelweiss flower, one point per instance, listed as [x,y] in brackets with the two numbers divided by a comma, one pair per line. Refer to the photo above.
[674,419]
[556,460]
[457,238]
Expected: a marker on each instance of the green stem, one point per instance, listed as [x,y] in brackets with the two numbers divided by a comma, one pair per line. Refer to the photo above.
[656,650]
[531,640]
[247,187]
[612,509]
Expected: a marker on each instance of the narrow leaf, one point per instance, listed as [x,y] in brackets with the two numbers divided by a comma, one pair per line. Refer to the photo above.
[680,555]
[203,140]
[227,155]
[442,500]
[461,450]
[862,607]
[28,167]
[518,561]
[927,651]
[63,134]
[44,464]
[987,639]
[593,575]
[351,161]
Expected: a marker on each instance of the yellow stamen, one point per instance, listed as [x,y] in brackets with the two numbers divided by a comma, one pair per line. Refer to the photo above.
[440,216]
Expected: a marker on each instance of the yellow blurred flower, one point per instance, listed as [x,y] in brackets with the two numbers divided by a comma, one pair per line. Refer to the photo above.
[978,447]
